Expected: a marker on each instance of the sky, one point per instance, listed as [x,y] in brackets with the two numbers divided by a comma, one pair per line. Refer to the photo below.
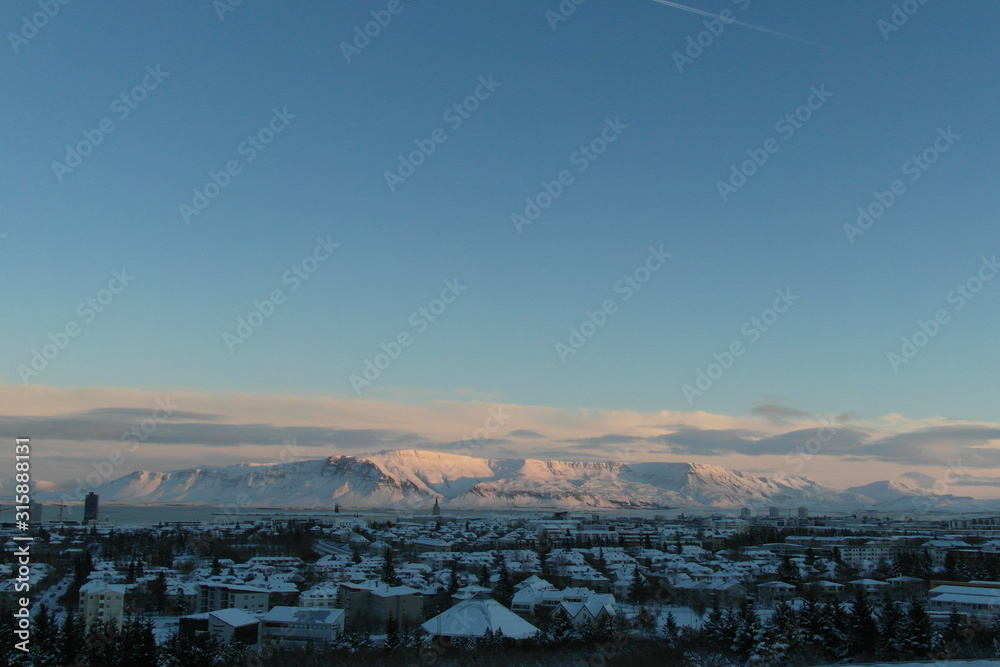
[703,229]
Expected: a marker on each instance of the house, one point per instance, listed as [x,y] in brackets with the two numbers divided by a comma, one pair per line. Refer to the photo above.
[585,613]
[773,592]
[101,601]
[907,588]
[472,618]
[319,597]
[302,624]
[404,603]
[874,589]
[214,596]
[980,601]
[356,600]
[471,592]
[234,625]
[827,591]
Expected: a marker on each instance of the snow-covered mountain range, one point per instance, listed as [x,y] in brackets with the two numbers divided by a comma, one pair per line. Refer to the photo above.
[413,479]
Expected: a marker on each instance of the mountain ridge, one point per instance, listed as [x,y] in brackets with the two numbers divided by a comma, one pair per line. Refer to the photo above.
[414,479]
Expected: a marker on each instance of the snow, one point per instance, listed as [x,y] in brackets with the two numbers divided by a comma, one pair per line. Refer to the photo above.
[472,618]
[412,479]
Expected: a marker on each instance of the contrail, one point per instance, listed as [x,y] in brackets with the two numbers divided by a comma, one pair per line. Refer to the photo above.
[742,23]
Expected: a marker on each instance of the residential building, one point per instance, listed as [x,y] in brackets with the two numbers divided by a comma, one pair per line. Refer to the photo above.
[234,625]
[101,601]
[301,624]
[214,596]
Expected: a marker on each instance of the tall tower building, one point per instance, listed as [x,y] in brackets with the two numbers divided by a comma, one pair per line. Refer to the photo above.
[90,506]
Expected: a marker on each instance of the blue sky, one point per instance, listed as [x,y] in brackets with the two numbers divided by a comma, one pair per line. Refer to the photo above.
[656,184]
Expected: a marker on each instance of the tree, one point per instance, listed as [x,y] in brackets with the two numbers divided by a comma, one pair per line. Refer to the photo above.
[863,633]
[504,590]
[45,640]
[788,572]
[389,575]
[391,633]
[453,578]
[70,638]
[671,631]
[638,589]
[186,651]
[747,631]
[158,588]
[919,638]
[138,639]
[890,626]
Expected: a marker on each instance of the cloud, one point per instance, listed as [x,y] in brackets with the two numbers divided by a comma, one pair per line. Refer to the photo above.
[779,414]
[525,433]
[193,428]
[974,480]
[82,427]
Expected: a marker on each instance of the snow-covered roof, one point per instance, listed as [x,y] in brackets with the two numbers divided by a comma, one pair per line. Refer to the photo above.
[472,618]
[281,614]
[234,617]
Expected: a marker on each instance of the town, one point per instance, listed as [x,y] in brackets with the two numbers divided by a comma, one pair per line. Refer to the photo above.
[764,588]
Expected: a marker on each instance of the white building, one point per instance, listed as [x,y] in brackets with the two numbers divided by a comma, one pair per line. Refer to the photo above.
[234,625]
[302,624]
[981,601]
[101,601]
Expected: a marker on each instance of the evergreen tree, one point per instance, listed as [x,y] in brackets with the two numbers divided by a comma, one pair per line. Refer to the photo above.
[671,631]
[504,591]
[638,589]
[139,642]
[70,643]
[45,637]
[216,567]
[389,575]
[863,633]
[955,633]
[185,651]
[453,578]
[891,628]
[919,638]
[391,633]
[788,572]
[158,588]
[747,631]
